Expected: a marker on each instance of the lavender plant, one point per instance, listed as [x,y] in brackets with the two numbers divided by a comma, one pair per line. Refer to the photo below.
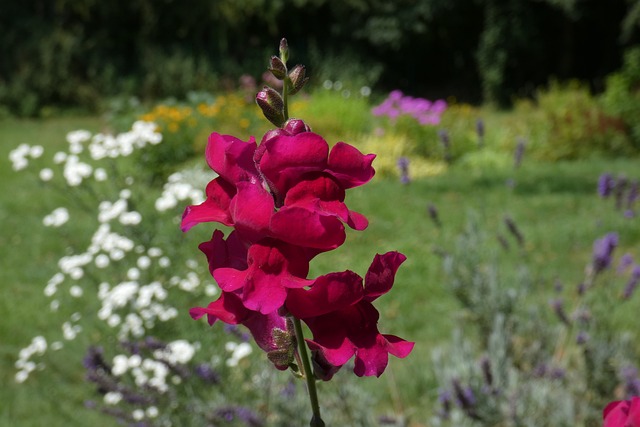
[624,191]
[528,364]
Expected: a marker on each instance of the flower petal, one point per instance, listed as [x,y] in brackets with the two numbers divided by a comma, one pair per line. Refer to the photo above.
[214,208]
[251,211]
[381,274]
[231,157]
[221,253]
[286,158]
[328,293]
[308,229]
[228,308]
[350,166]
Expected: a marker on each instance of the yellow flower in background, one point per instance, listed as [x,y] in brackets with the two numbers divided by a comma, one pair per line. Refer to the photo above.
[173,127]
[244,123]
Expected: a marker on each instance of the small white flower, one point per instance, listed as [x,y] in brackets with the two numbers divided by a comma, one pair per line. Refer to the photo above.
[152,412]
[56,218]
[164,262]
[39,344]
[102,261]
[365,91]
[133,273]
[130,218]
[120,365]
[21,376]
[100,174]
[59,157]
[238,352]
[154,252]
[46,174]
[135,361]
[113,320]
[78,136]
[76,291]
[210,290]
[36,151]
[112,398]
[76,273]
[137,414]
[144,262]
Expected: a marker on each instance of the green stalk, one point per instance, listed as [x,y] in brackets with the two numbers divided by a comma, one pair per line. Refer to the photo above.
[316,420]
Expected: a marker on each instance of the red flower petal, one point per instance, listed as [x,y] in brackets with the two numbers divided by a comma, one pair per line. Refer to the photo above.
[328,293]
[273,266]
[214,208]
[302,227]
[228,308]
[350,166]
[381,274]
[221,253]
[286,158]
[251,211]
[231,157]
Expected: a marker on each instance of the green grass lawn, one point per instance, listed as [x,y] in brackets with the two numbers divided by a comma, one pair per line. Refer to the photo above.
[555,206]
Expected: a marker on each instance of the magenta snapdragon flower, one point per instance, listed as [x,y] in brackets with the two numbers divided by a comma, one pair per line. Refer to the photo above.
[339,311]
[285,200]
[623,413]
[292,188]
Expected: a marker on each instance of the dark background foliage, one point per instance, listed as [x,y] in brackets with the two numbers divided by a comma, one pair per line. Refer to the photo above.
[75,52]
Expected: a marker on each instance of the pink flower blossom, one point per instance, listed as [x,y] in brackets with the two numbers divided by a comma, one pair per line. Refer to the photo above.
[339,311]
[291,188]
[265,328]
[623,413]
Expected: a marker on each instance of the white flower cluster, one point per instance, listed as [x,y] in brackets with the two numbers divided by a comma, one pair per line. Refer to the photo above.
[105,246]
[56,218]
[140,414]
[177,189]
[153,372]
[132,299]
[100,146]
[19,155]
[75,170]
[123,144]
[24,365]
[238,352]
[109,211]
[69,330]
[144,302]
[177,352]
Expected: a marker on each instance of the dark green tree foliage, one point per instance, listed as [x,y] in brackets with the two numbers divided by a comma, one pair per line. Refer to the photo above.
[76,52]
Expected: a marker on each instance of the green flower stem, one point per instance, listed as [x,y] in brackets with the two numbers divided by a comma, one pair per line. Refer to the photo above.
[316,421]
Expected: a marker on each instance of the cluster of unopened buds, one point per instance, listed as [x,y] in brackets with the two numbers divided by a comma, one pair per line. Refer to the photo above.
[285,199]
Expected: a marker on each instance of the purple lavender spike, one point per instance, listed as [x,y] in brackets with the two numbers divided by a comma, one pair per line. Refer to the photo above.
[603,251]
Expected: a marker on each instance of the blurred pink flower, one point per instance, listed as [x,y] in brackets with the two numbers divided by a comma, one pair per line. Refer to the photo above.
[623,413]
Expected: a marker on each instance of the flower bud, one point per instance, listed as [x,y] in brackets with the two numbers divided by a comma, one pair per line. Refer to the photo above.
[295,126]
[271,104]
[284,50]
[277,68]
[298,79]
